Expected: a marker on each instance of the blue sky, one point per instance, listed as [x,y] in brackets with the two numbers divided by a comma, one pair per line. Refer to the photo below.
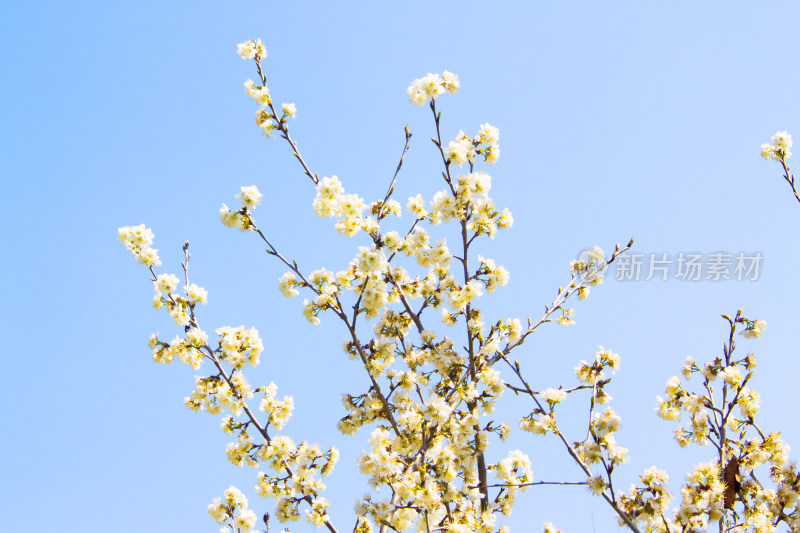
[626,119]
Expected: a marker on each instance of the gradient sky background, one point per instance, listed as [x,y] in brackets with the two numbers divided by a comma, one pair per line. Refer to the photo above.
[623,119]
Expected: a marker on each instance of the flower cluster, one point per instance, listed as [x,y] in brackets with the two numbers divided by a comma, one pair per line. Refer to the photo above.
[445,485]
[722,412]
[514,469]
[233,510]
[266,117]
[370,274]
[187,350]
[647,503]
[779,148]
[252,49]
[699,407]
[590,266]
[278,411]
[239,346]
[332,201]
[463,150]
[179,307]
[214,394]
[430,87]
[601,445]
[594,374]
[240,219]
[702,497]
[138,241]
[303,466]
[297,467]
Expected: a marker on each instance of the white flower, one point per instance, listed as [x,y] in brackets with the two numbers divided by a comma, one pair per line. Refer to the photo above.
[553,396]
[565,318]
[515,469]
[781,144]
[287,285]
[166,283]
[596,485]
[370,261]
[416,205]
[310,312]
[488,134]
[450,82]
[732,376]
[196,294]
[596,255]
[249,49]
[218,511]
[261,96]
[289,110]
[460,151]
[782,141]
[228,216]
[693,403]
[250,196]
[137,239]
[667,411]
[673,386]
[755,330]
[538,426]
[246,50]
[235,497]
[423,90]
[245,521]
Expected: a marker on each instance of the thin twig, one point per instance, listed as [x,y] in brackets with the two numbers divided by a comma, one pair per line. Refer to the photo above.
[789,177]
[284,129]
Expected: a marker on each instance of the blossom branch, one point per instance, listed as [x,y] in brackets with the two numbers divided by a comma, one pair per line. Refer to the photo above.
[390,191]
[561,298]
[611,500]
[284,129]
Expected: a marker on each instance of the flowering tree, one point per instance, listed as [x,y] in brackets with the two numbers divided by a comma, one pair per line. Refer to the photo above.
[409,306]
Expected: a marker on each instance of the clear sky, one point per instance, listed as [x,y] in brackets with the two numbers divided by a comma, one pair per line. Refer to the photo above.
[617,120]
